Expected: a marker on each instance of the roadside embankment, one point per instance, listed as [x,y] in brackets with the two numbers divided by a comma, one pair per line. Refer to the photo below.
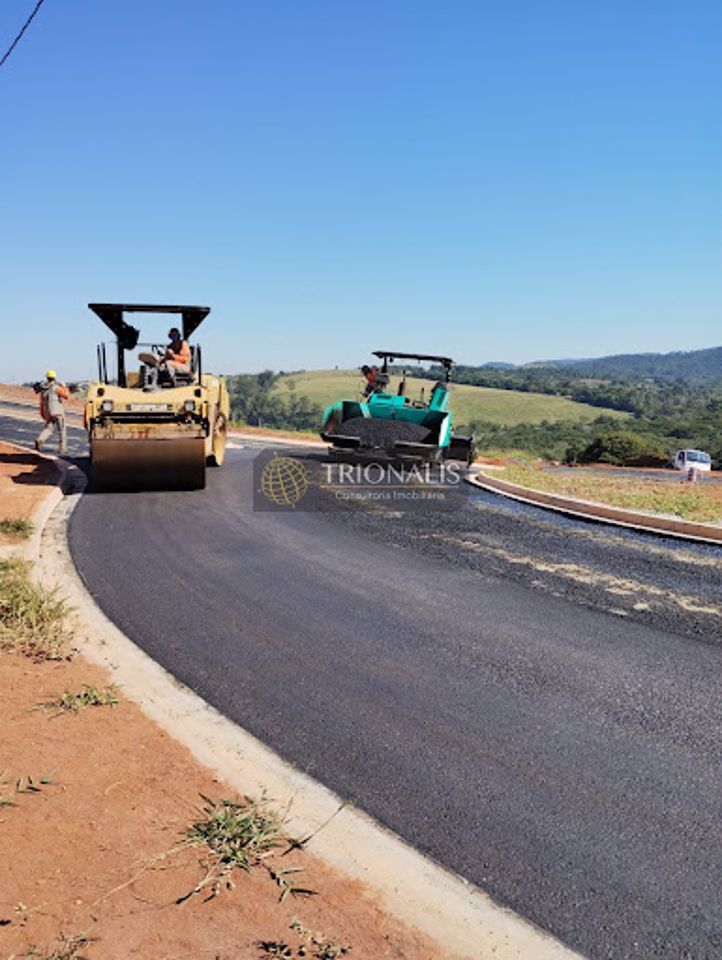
[691,511]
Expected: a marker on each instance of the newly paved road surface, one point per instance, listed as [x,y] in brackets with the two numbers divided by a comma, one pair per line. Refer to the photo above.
[532,700]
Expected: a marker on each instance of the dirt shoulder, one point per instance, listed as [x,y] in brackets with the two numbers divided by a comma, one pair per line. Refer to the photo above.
[97,851]
[25,480]
[95,811]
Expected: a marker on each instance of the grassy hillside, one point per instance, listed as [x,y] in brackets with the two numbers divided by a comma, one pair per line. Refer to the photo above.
[468,403]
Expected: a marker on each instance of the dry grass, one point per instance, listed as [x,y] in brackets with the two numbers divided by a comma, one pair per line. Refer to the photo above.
[17,528]
[68,702]
[70,949]
[241,834]
[312,945]
[503,457]
[695,502]
[33,621]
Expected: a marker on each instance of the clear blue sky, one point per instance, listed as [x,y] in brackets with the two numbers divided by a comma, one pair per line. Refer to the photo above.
[494,179]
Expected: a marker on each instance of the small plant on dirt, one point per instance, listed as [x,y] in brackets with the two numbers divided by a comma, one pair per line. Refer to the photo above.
[28,784]
[69,949]
[18,528]
[33,785]
[282,879]
[275,950]
[314,946]
[33,621]
[239,834]
[88,697]
[5,801]
[320,946]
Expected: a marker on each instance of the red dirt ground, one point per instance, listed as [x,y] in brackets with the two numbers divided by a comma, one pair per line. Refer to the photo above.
[24,482]
[122,794]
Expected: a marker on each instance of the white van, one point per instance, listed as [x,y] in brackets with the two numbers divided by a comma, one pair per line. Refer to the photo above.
[692,459]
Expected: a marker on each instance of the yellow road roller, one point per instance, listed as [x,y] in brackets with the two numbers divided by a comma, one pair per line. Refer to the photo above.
[156,426]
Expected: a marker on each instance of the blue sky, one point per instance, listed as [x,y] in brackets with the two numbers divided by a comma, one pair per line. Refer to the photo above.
[494,179]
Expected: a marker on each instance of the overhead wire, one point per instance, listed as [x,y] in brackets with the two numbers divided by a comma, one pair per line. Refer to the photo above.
[25,26]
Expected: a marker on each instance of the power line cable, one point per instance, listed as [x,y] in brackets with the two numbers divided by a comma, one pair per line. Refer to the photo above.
[17,39]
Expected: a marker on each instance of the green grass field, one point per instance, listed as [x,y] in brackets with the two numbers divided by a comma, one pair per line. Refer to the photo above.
[505,407]
[698,501]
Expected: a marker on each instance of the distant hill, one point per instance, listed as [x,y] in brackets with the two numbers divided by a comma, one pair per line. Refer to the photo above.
[692,366]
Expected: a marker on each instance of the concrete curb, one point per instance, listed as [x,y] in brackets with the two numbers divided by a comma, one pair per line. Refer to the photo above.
[601,512]
[462,919]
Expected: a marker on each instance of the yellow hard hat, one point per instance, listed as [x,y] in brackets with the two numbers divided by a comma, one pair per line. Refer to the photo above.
[51,375]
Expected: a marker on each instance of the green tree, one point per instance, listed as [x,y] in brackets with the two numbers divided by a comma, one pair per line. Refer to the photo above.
[621,447]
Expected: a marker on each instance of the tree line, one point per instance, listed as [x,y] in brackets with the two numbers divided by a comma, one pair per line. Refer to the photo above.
[253,402]
[665,415]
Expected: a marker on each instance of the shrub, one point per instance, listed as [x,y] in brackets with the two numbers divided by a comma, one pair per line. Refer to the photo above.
[623,448]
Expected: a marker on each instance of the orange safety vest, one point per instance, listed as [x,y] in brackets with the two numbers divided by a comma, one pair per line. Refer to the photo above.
[183,357]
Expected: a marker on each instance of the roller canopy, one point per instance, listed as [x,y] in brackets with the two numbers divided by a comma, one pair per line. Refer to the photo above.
[112,316]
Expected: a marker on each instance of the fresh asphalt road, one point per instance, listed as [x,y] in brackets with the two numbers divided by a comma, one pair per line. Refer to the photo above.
[533,701]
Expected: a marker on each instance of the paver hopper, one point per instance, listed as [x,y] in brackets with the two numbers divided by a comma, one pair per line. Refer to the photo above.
[146,428]
[393,425]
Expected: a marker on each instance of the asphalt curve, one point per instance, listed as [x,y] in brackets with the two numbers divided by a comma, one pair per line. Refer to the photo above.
[534,701]
[561,757]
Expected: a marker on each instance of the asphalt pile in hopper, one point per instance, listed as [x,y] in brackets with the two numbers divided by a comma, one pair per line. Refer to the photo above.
[380,433]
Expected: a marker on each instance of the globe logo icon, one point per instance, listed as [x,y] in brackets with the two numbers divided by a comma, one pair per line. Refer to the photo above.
[284,481]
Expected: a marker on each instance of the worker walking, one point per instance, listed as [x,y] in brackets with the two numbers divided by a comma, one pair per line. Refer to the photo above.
[52,395]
